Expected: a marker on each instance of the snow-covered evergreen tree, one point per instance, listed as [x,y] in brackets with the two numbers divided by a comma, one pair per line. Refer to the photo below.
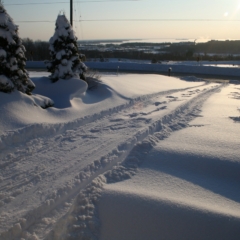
[12,57]
[65,60]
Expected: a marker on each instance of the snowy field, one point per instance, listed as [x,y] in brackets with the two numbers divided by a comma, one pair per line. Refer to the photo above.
[140,156]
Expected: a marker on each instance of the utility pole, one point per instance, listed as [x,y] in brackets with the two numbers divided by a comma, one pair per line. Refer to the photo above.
[71,12]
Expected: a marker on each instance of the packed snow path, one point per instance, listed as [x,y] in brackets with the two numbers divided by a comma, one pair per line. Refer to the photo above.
[37,191]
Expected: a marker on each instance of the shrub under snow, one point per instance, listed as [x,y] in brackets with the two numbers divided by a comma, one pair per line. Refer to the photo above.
[12,58]
[65,60]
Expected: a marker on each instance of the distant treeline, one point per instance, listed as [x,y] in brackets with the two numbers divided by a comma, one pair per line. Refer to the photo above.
[139,44]
[227,47]
[36,50]
[213,46]
[212,50]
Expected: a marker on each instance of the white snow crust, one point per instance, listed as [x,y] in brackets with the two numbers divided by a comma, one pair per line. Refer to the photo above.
[141,156]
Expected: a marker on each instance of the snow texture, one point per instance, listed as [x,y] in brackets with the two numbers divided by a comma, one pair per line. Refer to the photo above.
[139,157]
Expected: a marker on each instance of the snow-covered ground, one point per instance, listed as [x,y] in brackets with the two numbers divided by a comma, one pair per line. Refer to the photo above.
[141,156]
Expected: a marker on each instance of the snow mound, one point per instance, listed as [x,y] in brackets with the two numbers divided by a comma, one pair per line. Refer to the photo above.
[134,215]
[20,109]
[61,92]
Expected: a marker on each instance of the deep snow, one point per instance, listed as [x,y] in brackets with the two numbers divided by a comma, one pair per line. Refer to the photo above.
[141,156]
[187,186]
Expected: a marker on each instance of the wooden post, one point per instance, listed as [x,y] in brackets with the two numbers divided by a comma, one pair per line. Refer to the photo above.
[71,12]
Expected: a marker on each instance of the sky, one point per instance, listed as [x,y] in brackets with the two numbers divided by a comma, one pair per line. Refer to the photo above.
[136,19]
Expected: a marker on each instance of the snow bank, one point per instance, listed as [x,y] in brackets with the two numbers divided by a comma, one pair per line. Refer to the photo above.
[163,68]
[131,214]
[61,92]
[177,67]
[20,109]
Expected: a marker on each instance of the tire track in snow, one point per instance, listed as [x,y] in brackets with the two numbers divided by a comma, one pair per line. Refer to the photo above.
[82,222]
[70,187]
[61,141]
[39,144]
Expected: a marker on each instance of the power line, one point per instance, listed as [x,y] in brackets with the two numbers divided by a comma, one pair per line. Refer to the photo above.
[139,20]
[29,21]
[159,20]
[46,3]
[80,17]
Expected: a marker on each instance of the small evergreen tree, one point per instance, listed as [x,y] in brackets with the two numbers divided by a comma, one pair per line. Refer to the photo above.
[12,58]
[65,60]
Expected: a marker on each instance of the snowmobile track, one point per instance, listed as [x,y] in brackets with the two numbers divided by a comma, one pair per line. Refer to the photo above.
[71,177]
[39,130]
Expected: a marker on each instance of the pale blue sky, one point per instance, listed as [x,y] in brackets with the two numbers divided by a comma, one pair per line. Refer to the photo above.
[143,9]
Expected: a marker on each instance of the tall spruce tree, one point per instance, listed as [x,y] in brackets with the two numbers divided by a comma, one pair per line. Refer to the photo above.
[12,57]
[65,60]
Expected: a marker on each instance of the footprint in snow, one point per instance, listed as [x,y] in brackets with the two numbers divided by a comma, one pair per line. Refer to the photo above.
[133,115]
[186,95]
[235,95]
[95,130]
[197,125]
[117,120]
[161,108]
[159,103]
[88,136]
